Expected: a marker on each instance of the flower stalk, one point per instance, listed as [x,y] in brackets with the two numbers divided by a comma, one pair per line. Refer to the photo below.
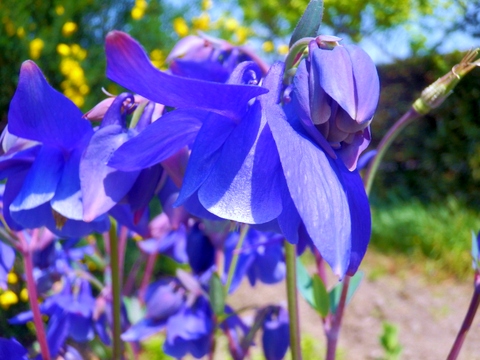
[290,260]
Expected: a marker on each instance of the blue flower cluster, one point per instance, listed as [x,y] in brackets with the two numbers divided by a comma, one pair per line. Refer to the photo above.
[219,138]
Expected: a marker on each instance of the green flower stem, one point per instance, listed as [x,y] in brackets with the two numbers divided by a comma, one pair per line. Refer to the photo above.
[334,331]
[387,140]
[236,254]
[467,322]
[116,291]
[290,260]
[33,296]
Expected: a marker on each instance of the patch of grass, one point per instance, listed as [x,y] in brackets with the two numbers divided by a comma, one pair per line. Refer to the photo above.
[434,237]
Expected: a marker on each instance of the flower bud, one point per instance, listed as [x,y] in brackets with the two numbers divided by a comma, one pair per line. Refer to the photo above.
[337,91]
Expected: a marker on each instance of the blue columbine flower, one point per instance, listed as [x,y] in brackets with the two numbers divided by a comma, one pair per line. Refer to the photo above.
[70,315]
[187,319]
[46,190]
[264,164]
[206,58]
[260,258]
[276,333]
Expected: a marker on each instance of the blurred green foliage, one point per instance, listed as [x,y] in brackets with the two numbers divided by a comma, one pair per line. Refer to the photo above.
[439,154]
[434,238]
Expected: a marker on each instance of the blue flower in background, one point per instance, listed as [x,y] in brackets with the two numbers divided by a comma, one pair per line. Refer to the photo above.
[276,333]
[7,258]
[187,319]
[70,315]
[261,258]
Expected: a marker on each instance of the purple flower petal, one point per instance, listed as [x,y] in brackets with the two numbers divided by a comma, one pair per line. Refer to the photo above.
[159,141]
[39,112]
[367,85]
[103,186]
[67,200]
[316,191]
[128,65]
[205,152]
[7,257]
[243,185]
[41,182]
[143,329]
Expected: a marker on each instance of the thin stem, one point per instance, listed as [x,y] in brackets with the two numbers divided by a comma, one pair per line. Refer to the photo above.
[387,140]
[467,322]
[116,291]
[122,246]
[33,297]
[334,331]
[235,256]
[147,275]
[290,260]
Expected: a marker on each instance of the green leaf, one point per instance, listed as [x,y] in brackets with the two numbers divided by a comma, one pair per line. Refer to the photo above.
[309,23]
[217,295]
[336,292]
[320,296]
[304,284]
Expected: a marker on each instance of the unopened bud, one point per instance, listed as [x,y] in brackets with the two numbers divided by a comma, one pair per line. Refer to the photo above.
[435,94]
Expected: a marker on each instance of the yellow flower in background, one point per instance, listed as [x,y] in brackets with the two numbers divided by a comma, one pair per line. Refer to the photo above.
[180,26]
[69,28]
[78,51]
[24,295]
[60,10]
[63,49]
[12,278]
[231,24]
[84,89]
[36,47]
[283,49]
[21,32]
[268,46]
[8,298]
[206,4]
[138,10]
[241,33]
[202,22]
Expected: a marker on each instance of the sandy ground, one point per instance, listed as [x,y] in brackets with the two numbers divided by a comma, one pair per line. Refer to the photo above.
[427,313]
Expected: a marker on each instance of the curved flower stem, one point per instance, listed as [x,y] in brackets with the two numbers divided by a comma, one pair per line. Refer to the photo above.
[116,291]
[33,296]
[467,322]
[236,254]
[334,331]
[294,323]
[387,140]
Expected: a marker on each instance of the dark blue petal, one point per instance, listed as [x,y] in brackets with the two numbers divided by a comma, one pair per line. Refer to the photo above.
[12,350]
[103,186]
[81,329]
[128,65]
[276,334]
[158,141]
[200,251]
[40,113]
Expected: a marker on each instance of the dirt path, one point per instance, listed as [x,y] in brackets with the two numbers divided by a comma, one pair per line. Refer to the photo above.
[427,315]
